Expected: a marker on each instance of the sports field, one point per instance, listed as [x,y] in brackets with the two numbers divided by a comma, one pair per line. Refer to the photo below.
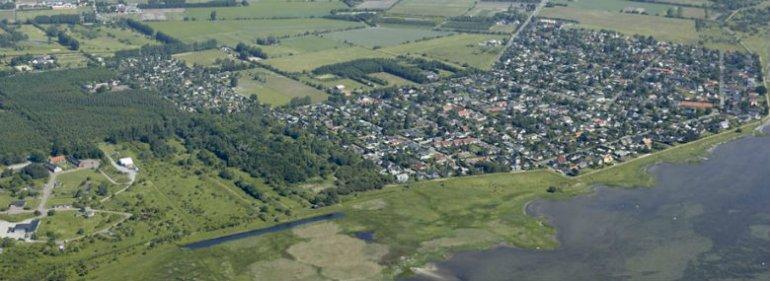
[310,61]
[442,8]
[461,49]
[274,89]
[665,29]
[384,36]
[234,31]
[265,9]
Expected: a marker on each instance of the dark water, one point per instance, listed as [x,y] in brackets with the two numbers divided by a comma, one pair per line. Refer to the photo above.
[262,231]
[706,221]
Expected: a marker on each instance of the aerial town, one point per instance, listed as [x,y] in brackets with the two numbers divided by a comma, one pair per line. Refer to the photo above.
[562,98]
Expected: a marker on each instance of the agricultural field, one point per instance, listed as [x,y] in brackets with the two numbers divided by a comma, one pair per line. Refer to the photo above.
[23,16]
[377,4]
[488,9]
[300,45]
[665,29]
[105,39]
[265,9]
[440,8]
[384,36]
[310,61]
[461,49]
[203,58]
[654,9]
[232,32]
[274,89]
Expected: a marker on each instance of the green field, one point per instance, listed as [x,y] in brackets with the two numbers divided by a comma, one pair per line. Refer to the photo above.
[392,79]
[203,58]
[384,36]
[310,61]
[443,8]
[268,9]
[665,29]
[71,182]
[104,39]
[274,89]
[301,45]
[232,32]
[65,225]
[37,43]
[488,9]
[459,49]
[654,9]
[23,16]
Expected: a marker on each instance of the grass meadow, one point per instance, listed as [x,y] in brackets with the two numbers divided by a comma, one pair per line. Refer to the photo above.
[265,9]
[232,32]
[274,89]
[300,45]
[202,58]
[461,49]
[310,61]
[441,8]
[665,29]
[384,36]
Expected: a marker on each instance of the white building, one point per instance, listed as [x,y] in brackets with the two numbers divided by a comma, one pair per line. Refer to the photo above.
[126,162]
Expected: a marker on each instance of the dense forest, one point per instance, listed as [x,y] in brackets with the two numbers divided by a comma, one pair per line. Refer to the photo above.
[50,108]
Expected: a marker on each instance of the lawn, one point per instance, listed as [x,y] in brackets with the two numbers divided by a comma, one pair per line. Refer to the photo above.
[310,61]
[70,183]
[442,8]
[203,58]
[273,89]
[65,225]
[665,29]
[459,49]
[232,32]
[301,45]
[384,36]
[265,9]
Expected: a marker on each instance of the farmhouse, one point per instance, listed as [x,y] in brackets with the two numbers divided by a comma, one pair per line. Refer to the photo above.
[57,159]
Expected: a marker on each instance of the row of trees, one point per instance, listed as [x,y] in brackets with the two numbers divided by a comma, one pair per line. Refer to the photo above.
[360,68]
[166,4]
[245,51]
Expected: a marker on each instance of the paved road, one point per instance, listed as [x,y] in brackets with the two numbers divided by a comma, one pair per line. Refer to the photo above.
[48,189]
[522,27]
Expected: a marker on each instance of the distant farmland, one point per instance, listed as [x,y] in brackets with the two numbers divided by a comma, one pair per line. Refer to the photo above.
[232,32]
[443,8]
[310,61]
[662,28]
[384,36]
[269,9]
